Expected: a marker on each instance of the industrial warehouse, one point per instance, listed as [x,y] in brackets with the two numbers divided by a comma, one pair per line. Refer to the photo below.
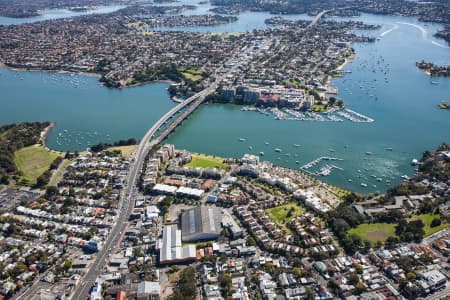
[170,248]
[201,223]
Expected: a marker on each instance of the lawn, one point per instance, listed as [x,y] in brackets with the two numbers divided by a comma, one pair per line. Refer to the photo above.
[381,231]
[195,71]
[318,107]
[192,77]
[193,74]
[427,219]
[281,216]
[32,161]
[126,151]
[206,161]
[374,232]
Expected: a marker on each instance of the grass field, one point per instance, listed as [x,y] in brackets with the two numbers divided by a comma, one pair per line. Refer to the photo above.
[193,74]
[374,232]
[206,161]
[192,77]
[381,231]
[318,108]
[32,161]
[126,151]
[195,71]
[427,219]
[280,214]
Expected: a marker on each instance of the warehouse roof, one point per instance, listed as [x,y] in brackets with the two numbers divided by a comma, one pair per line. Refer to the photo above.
[201,223]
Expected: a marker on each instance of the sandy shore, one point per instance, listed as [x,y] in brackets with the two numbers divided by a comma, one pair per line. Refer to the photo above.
[44,136]
[340,67]
[45,132]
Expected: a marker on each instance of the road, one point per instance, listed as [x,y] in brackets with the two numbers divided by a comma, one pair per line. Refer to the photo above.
[129,192]
[440,295]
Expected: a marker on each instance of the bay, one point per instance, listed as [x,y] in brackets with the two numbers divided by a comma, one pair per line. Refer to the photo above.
[383,84]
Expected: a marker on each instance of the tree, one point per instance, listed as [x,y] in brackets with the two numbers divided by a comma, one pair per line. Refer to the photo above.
[225,283]
[411,276]
[436,222]
[251,241]
[353,279]
[4,179]
[391,241]
[51,192]
[186,285]
[360,288]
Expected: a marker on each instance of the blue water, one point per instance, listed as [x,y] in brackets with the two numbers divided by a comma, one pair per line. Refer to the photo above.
[404,107]
[402,100]
[51,14]
[85,113]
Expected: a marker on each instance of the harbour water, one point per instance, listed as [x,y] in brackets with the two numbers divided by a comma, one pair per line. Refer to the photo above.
[51,14]
[384,84]
[85,113]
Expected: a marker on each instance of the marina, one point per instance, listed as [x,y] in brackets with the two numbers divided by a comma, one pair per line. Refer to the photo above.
[373,85]
[296,115]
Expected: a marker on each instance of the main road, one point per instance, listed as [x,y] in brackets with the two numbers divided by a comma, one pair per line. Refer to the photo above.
[128,194]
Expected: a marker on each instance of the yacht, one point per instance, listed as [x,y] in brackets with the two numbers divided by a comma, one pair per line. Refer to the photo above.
[363,185]
[261,153]
[241,140]
[277,150]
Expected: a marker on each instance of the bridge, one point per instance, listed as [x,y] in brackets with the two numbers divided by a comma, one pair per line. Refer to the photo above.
[317,18]
[180,112]
[126,206]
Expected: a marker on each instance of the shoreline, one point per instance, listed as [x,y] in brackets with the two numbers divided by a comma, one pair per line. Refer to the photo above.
[90,74]
[45,133]
[25,69]
[43,138]
[347,60]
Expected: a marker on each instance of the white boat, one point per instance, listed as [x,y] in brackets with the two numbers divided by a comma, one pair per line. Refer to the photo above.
[363,185]
[267,143]
[261,153]
[250,147]
[296,145]
[389,149]
[434,82]
[368,153]
[350,180]
[277,150]
[241,140]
